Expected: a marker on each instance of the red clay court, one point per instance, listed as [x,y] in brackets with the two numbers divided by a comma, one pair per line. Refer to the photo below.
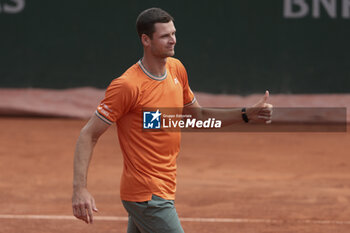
[262,182]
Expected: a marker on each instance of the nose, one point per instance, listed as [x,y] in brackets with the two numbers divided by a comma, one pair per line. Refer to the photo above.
[173,39]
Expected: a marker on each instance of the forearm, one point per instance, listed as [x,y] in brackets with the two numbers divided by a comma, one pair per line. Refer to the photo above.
[82,157]
[226,116]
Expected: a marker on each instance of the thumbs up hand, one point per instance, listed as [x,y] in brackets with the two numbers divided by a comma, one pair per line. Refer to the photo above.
[261,111]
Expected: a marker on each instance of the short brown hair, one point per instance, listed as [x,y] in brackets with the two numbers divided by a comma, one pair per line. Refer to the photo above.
[146,20]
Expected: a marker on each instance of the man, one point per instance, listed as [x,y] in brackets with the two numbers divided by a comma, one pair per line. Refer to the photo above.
[149,174]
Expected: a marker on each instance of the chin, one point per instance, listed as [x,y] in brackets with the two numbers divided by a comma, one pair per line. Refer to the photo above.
[170,54]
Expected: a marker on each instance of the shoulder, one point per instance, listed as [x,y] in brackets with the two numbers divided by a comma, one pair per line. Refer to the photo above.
[177,67]
[127,81]
[130,77]
[174,62]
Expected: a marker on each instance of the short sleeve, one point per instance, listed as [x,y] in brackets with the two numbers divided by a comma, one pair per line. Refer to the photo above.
[120,97]
[188,96]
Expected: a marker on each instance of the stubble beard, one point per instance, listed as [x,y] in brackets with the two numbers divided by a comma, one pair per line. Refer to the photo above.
[170,53]
[163,54]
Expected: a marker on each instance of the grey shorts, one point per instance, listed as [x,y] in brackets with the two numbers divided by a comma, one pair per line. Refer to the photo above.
[155,216]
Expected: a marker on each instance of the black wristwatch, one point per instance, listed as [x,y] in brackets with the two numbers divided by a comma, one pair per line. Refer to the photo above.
[244,115]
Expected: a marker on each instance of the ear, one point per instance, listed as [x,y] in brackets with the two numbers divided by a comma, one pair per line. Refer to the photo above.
[146,41]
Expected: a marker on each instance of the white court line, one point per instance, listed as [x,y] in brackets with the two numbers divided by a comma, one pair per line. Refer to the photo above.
[206,220]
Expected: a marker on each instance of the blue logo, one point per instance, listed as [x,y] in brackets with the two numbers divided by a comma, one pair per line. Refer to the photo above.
[151,120]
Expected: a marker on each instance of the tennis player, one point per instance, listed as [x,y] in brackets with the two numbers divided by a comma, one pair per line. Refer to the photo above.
[148,181]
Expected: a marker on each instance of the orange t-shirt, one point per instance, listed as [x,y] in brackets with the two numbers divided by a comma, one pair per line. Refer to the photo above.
[149,157]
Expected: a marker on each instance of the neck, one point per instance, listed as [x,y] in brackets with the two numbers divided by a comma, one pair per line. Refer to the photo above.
[156,66]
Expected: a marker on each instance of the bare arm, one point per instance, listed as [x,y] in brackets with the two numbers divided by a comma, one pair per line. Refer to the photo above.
[82,201]
[259,112]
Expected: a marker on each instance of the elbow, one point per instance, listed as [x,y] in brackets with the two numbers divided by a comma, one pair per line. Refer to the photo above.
[87,136]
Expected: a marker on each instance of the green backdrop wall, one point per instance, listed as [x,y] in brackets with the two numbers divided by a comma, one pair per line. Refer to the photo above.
[242,47]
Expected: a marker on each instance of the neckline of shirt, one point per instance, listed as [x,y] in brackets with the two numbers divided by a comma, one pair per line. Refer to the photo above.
[154,77]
